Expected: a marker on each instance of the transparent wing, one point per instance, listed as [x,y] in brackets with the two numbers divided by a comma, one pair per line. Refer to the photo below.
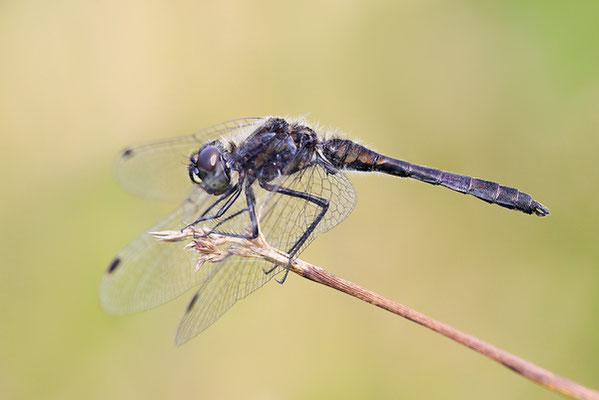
[283,220]
[147,273]
[225,284]
[159,169]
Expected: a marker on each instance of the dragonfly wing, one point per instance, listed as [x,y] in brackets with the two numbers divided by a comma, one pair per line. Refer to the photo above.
[283,220]
[147,273]
[225,284]
[159,169]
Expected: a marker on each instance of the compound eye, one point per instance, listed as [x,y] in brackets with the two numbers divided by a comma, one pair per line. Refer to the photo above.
[208,159]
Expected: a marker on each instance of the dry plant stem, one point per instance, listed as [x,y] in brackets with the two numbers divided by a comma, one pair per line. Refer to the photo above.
[211,247]
[518,365]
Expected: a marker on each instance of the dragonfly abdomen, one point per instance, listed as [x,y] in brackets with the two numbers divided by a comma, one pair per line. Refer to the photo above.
[345,154]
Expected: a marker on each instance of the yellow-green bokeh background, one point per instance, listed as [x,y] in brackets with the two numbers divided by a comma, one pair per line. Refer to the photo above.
[504,90]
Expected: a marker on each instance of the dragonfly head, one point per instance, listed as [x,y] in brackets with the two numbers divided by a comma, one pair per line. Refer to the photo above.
[209,169]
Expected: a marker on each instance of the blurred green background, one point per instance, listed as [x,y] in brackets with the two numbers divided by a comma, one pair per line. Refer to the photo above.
[503,90]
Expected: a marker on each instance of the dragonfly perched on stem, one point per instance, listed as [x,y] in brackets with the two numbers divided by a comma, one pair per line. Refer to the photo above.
[281,179]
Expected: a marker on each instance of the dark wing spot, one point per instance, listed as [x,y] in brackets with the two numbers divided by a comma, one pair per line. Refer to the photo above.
[126,153]
[192,302]
[115,263]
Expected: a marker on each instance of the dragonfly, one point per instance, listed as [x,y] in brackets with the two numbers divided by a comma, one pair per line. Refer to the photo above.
[280,178]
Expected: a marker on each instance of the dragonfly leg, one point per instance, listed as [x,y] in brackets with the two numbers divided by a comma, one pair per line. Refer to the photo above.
[228,218]
[268,271]
[285,274]
[250,209]
[319,201]
[233,194]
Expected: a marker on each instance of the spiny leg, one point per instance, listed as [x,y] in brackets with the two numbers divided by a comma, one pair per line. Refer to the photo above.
[319,201]
[251,202]
[228,218]
[251,209]
[268,271]
[233,194]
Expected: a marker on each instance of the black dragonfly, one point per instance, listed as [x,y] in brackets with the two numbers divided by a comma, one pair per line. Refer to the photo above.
[280,178]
